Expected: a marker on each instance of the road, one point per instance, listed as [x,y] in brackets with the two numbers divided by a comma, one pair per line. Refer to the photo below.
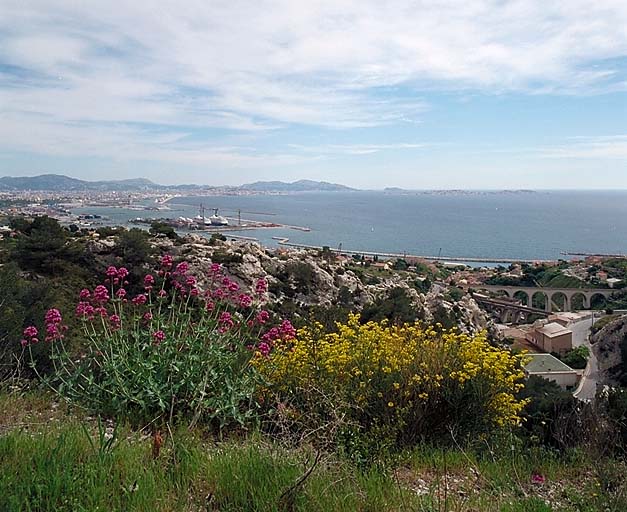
[587,388]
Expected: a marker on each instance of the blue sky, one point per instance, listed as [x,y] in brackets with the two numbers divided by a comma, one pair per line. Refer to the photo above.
[450,94]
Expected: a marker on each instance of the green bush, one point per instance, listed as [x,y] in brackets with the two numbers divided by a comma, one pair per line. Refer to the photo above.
[577,358]
[395,307]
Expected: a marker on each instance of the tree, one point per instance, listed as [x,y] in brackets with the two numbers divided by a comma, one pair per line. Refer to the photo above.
[577,358]
[42,246]
[396,307]
[161,228]
[133,247]
[400,264]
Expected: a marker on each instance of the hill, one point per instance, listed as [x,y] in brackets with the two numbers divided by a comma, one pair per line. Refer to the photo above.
[295,186]
[61,183]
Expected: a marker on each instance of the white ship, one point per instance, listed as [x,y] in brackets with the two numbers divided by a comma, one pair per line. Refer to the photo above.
[213,220]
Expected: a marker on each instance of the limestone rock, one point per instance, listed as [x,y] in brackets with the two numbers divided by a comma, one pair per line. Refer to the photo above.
[606,347]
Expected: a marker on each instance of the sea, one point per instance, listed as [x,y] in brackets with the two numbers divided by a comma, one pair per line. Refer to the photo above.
[517,225]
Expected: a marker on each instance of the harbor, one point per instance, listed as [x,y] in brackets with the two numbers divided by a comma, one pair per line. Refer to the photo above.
[216,223]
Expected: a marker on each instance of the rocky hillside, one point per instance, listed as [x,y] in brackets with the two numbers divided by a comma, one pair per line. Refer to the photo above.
[306,279]
[610,347]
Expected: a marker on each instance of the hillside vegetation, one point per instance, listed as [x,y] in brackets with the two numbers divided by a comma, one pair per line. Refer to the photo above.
[147,372]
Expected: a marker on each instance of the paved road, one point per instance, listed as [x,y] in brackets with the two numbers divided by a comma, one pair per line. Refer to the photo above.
[587,388]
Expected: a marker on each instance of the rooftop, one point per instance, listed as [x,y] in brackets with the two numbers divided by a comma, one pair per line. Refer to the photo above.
[554,329]
[546,363]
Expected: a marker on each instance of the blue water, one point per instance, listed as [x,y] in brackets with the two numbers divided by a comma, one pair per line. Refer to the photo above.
[528,225]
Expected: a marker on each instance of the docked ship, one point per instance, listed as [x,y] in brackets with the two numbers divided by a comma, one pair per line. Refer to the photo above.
[213,220]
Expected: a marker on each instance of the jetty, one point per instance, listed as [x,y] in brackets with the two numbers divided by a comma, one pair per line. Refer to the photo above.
[452,259]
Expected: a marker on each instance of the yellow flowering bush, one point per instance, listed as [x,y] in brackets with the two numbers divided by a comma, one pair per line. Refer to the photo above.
[412,382]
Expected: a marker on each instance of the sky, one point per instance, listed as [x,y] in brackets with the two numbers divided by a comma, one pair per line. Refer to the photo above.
[475,94]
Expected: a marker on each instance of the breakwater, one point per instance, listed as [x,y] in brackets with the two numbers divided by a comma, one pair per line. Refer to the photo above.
[453,259]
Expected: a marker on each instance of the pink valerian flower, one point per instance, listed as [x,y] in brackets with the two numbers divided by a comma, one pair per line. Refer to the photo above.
[210,306]
[84,294]
[225,321]
[30,336]
[115,321]
[194,292]
[122,272]
[149,281]
[101,294]
[219,294]
[30,332]
[233,286]
[262,317]
[121,293]
[261,287]
[139,299]
[287,330]
[537,479]
[182,268]
[272,335]
[158,336]
[53,316]
[216,268]
[245,301]
[101,311]
[85,310]
[162,293]
[166,261]
[264,348]
[147,316]
[52,322]
[190,281]
[112,271]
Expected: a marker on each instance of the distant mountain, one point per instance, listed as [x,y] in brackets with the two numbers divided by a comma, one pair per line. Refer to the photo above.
[296,186]
[61,183]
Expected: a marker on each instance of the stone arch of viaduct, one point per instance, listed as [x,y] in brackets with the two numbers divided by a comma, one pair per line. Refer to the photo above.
[551,294]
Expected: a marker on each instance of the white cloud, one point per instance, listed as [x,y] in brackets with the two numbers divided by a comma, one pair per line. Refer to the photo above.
[98,77]
[612,147]
[355,149]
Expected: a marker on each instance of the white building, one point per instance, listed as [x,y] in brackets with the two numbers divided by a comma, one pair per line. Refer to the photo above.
[551,368]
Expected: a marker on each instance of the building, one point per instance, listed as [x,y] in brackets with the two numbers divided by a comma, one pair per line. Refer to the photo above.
[551,337]
[565,318]
[551,368]
[612,281]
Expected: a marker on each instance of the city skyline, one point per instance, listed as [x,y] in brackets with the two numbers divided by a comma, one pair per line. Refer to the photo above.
[476,95]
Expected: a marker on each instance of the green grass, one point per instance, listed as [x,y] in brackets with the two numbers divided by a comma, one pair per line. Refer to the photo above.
[61,471]
[65,464]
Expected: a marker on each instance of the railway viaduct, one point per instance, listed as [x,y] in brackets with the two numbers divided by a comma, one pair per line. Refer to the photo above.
[526,294]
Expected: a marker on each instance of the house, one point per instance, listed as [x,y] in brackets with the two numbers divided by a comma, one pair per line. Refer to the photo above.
[551,337]
[565,318]
[611,282]
[551,368]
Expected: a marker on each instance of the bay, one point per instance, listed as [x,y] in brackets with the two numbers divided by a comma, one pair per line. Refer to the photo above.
[525,225]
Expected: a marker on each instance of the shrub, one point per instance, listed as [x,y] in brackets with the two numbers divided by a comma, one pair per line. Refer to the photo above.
[552,416]
[577,358]
[133,246]
[401,383]
[170,353]
[396,306]
[162,228]
[43,247]
[216,237]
